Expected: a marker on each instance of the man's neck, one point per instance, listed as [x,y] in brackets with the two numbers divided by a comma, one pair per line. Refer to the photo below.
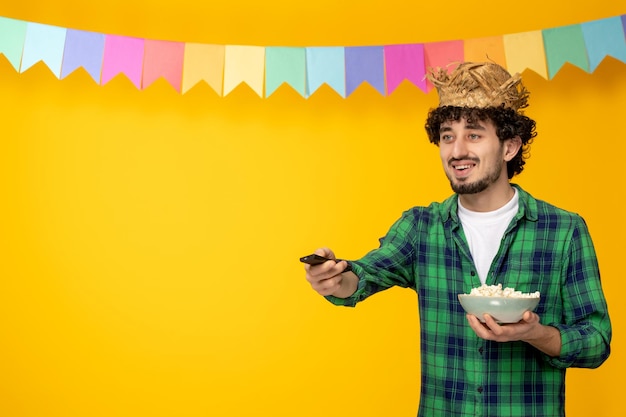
[494,197]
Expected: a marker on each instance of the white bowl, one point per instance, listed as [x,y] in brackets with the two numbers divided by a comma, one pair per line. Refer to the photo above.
[502,309]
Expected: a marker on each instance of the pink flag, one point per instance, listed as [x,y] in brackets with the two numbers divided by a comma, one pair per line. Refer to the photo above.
[404,62]
[122,55]
[163,59]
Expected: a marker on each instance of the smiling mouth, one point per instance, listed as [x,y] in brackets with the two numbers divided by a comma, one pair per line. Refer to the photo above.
[463,167]
[462,171]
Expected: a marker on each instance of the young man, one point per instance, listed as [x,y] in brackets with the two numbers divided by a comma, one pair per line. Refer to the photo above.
[490,231]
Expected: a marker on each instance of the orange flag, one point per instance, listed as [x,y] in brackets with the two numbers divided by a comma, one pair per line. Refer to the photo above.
[485,49]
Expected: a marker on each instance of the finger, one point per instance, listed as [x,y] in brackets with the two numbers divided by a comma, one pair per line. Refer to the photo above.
[325,252]
[491,323]
[328,286]
[473,321]
[497,329]
[326,270]
[321,272]
[342,265]
[320,268]
[479,328]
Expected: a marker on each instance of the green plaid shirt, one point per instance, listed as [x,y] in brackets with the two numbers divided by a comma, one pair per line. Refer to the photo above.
[544,249]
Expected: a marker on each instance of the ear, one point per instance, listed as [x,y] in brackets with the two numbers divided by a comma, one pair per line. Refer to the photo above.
[511,147]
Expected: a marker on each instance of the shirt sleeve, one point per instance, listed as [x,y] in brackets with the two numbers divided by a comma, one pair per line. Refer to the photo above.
[586,328]
[388,266]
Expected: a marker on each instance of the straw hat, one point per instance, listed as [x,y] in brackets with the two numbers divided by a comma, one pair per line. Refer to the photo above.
[479,84]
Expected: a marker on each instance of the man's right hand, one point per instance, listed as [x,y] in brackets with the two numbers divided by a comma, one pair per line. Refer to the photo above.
[328,278]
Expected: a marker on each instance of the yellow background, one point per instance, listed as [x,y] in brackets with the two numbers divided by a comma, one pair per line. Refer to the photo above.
[149,240]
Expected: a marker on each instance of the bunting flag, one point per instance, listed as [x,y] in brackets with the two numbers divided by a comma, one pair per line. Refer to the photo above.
[442,55]
[83,49]
[203,63]
[305,69]
[12,37]
[565,44]
[525,50]
[405,62]
[365,64]
[43,43]
[602,38]
[244,64]
[122,55]
[285,66]
[485,49]
[325,66]
[163,59]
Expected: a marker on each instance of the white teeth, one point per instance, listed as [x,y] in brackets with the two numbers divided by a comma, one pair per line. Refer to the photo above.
[462,167]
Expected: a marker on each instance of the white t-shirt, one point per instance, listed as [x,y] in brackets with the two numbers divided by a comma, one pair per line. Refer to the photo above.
[484,231]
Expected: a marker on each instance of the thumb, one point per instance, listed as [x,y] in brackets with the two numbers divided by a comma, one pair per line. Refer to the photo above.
[530,317]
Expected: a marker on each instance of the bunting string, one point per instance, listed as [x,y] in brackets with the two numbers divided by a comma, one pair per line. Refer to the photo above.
[305,69]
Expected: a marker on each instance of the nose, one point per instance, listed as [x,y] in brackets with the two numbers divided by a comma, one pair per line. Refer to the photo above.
[459,149]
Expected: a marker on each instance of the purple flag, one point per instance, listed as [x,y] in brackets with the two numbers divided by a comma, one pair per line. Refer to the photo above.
[83,49]
[365,63]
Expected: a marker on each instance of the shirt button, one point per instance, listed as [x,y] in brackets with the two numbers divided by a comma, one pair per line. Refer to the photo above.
[481,350]
[473,273]
[480,390]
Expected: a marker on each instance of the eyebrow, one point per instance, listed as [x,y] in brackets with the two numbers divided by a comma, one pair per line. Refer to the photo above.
[475,126]
[471,126]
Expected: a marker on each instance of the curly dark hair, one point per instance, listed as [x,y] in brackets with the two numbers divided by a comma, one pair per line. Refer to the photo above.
[508,123]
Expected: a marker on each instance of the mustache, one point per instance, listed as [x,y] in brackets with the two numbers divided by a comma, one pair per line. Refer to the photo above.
[467,158]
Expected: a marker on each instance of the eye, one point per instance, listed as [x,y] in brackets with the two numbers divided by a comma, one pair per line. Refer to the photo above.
[445,138]
[474,136]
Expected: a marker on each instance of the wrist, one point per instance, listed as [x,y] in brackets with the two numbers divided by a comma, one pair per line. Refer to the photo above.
[545,338]
[348,286]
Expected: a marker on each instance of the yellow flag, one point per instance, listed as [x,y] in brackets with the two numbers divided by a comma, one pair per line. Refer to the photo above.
[525,50]
[244,64]
[203,62]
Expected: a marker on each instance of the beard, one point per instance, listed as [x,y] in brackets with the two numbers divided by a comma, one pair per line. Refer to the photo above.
[479,185]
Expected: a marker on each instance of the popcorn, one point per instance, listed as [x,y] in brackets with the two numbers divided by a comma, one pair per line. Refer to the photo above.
[497,291]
